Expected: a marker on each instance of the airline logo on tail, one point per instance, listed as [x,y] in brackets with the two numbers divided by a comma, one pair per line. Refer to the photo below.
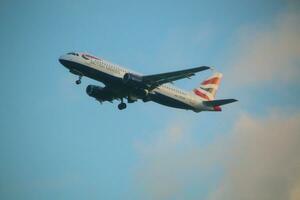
[208,88]
[207,92]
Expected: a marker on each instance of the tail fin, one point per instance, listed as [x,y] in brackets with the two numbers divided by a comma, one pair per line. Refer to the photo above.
[208,88]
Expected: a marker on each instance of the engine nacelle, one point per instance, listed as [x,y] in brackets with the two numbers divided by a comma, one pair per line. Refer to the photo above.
[133,80]
[100,93]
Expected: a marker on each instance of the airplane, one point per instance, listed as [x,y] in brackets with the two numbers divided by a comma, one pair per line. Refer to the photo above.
[121,83]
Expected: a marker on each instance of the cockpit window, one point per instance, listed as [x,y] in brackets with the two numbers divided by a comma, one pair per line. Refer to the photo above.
[72,53]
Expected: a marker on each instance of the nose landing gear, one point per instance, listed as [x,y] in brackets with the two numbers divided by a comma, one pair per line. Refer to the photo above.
[79,80]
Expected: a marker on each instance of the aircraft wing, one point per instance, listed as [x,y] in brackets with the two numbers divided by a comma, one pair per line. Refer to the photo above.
[156,80]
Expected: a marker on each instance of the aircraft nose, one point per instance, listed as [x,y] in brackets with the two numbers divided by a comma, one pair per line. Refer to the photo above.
[62,59]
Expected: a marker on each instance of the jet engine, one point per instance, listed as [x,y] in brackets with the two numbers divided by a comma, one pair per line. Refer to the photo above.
[100,93]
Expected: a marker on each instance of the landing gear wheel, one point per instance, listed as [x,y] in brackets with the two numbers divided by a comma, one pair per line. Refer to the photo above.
[122,106]
[79,80]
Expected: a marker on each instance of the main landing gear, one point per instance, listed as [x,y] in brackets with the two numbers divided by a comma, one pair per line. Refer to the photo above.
[79,80]
[122,105]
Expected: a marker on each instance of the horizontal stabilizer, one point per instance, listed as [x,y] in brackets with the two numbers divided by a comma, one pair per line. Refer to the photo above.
[219,102]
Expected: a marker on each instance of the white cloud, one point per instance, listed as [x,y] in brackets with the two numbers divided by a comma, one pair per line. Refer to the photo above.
[260,158]
[171,164]
[264,160]
[268,52]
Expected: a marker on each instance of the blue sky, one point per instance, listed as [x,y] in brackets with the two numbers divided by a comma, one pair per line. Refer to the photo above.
[58,143]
